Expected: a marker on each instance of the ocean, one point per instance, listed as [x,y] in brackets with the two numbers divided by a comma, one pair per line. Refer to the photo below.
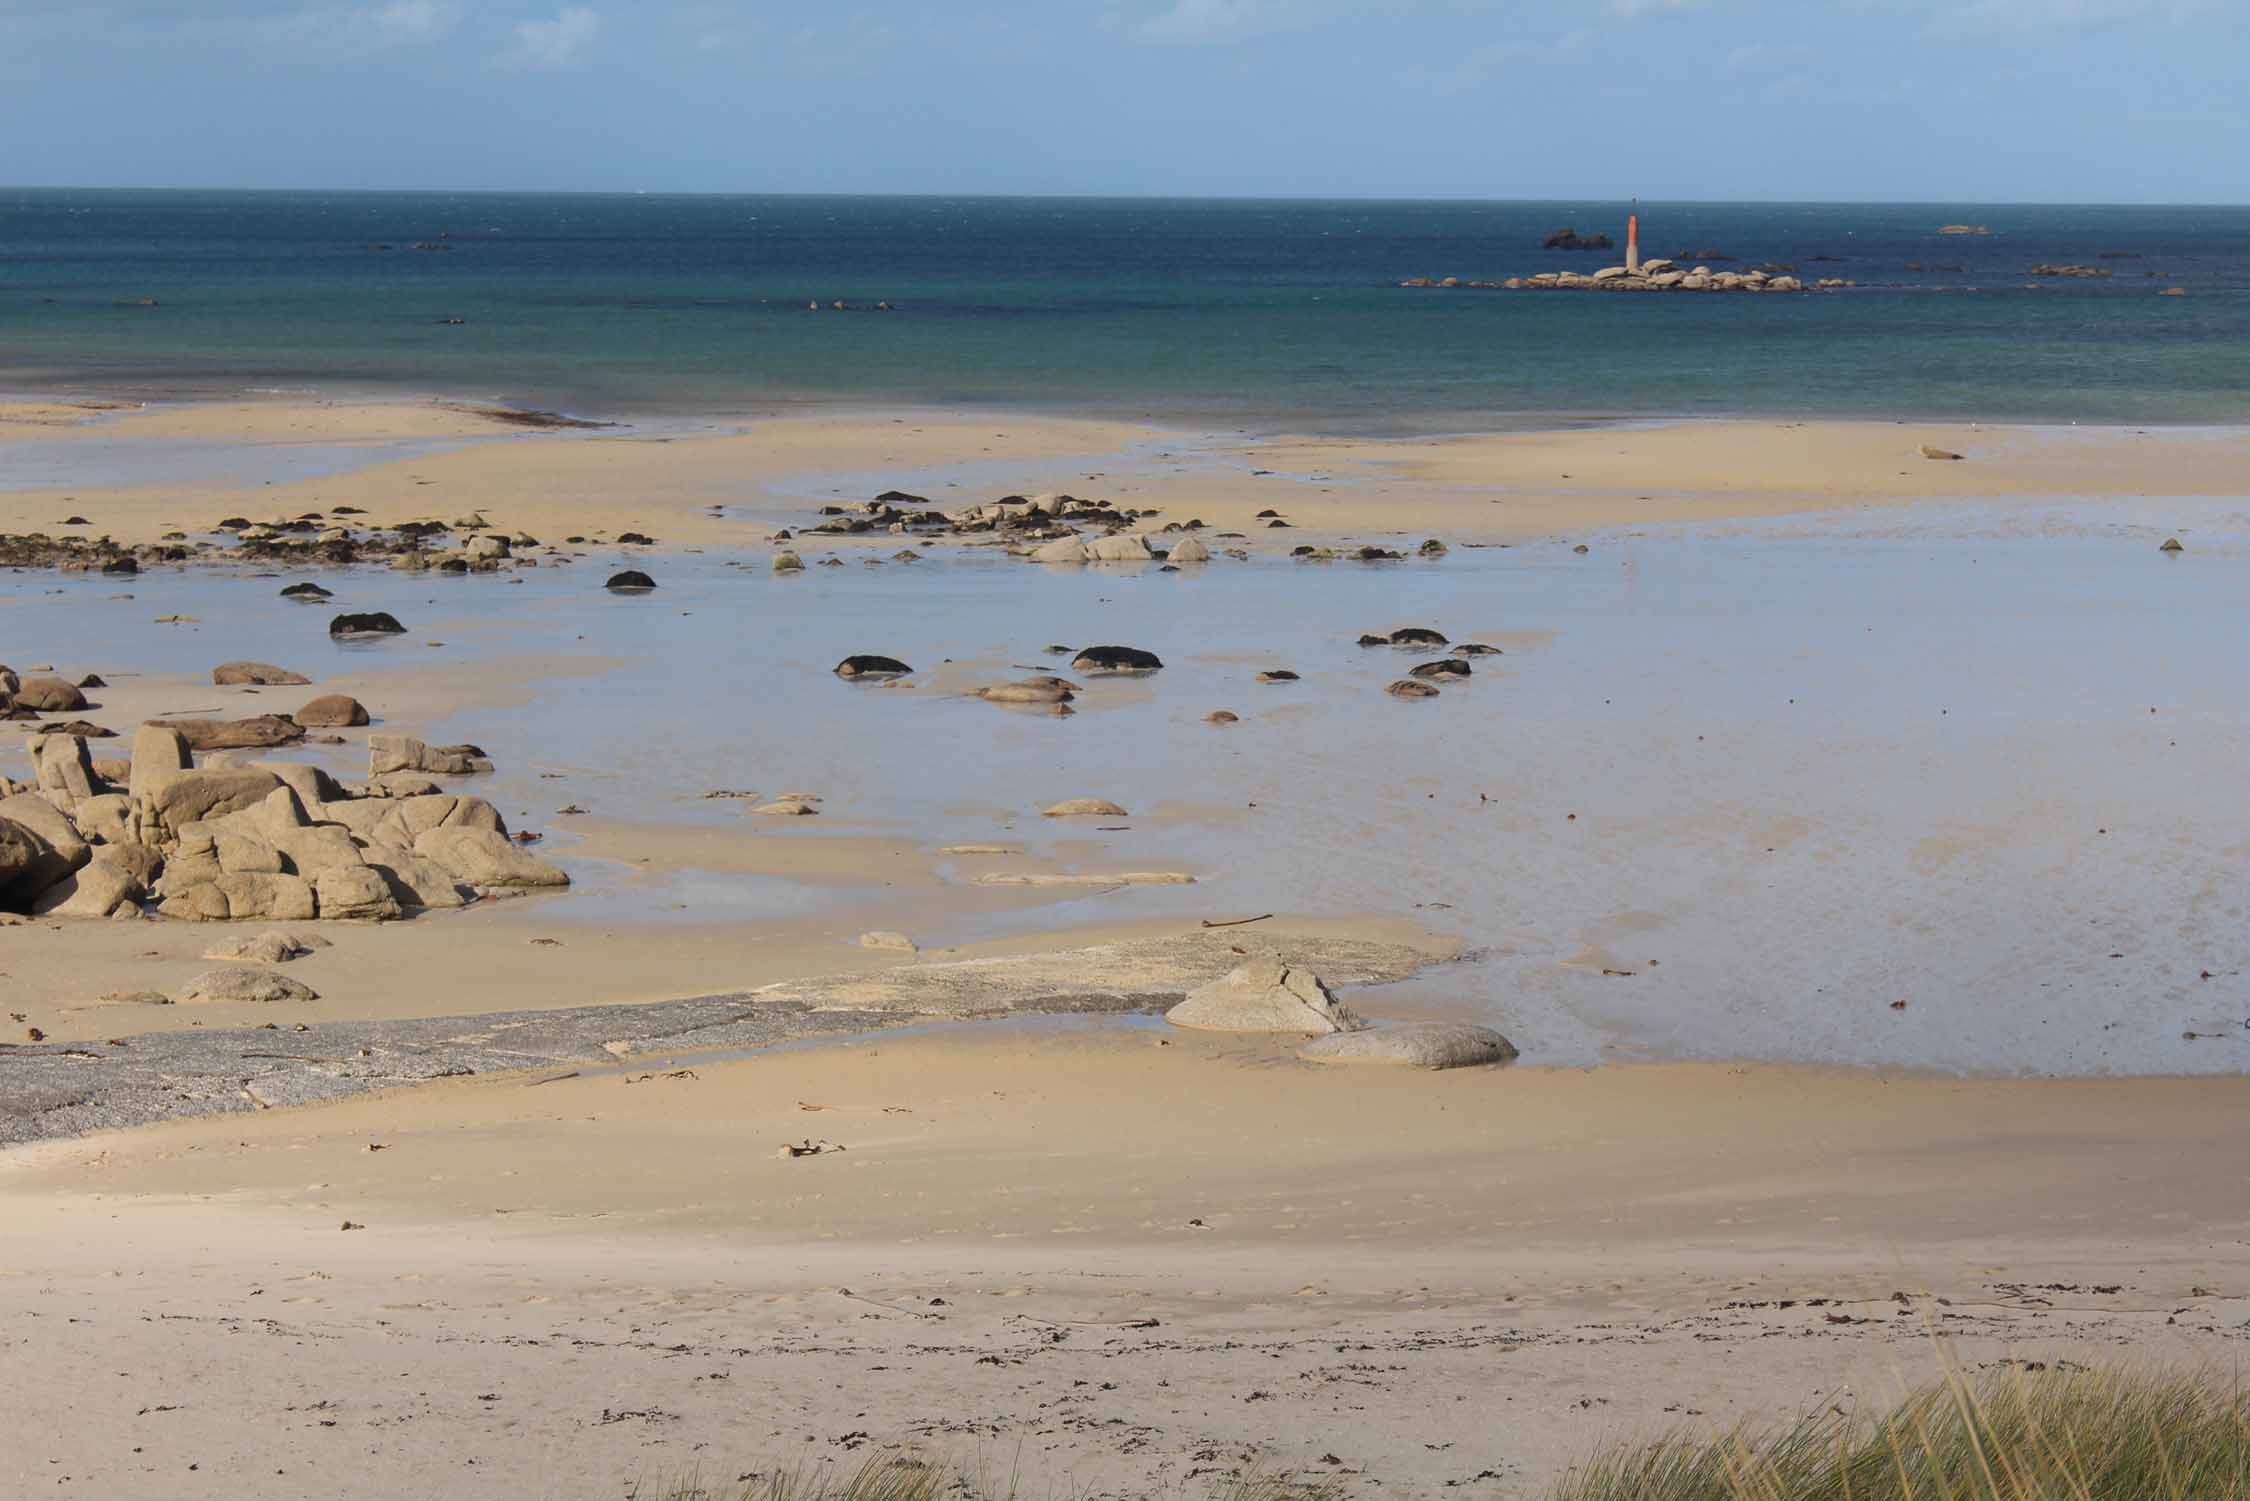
[1261,315]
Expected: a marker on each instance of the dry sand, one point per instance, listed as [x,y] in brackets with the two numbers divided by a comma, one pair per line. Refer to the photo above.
[1109,1260]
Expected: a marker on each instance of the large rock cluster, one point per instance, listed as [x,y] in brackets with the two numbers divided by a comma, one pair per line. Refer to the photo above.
[274,840]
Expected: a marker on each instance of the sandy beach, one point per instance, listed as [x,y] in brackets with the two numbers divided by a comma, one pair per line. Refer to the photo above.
[1841,836]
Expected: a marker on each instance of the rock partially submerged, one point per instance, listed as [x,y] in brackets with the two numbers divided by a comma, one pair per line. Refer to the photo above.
[874,669]
[1413,1045]
[1264,995]
[1116,659]
[1086,807]
[369,623]
[631,581]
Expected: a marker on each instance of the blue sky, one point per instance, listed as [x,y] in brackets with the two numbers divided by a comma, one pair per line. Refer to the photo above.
[1940,100]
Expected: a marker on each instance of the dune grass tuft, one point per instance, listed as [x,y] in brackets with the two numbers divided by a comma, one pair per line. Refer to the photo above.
[2011,1435]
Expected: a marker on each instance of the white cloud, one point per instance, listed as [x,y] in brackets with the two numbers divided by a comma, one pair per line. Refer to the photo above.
[416,20]
[560,43]
[342,31]
[1198,22]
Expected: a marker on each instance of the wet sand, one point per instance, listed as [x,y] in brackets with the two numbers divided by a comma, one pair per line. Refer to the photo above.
[401,460]
[1826,797]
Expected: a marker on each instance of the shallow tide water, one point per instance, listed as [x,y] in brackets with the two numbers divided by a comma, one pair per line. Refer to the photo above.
[1958,792]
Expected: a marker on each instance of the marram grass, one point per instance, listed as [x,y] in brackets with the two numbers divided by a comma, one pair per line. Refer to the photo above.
[910,1479]
[2010,1435]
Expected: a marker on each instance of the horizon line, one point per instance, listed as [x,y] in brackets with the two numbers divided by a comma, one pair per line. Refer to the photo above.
[743,193]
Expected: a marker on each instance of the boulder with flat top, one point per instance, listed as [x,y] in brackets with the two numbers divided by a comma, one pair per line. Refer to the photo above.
[1264,995]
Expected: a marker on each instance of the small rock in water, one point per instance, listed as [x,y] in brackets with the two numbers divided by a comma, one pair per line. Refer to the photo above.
[1443,667]
[631,581]
[2171,544]
[306,591]
[1411,688]
[788,562]
[1475,649]
[871,668]
[1222,716]
[371,623]
[1116,659]
[786,807]
[1415,635]
[1277,675]
[1086,807]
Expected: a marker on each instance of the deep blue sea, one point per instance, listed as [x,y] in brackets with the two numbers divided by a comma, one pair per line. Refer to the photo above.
[1257,314]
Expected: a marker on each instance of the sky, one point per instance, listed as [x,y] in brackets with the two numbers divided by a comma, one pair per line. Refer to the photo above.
[1959,101]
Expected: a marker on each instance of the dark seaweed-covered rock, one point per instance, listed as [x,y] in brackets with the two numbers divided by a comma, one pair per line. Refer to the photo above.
[1374,640]
[631,581]
[122,565]
[636,539]
[871,668]
[1443,667]
[1475,649]
[306,591]
[1377,555]
[372,623]
[1116,659]
[1415,635]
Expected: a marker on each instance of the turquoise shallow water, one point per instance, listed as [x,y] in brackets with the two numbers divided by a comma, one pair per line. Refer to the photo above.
[1258,314]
